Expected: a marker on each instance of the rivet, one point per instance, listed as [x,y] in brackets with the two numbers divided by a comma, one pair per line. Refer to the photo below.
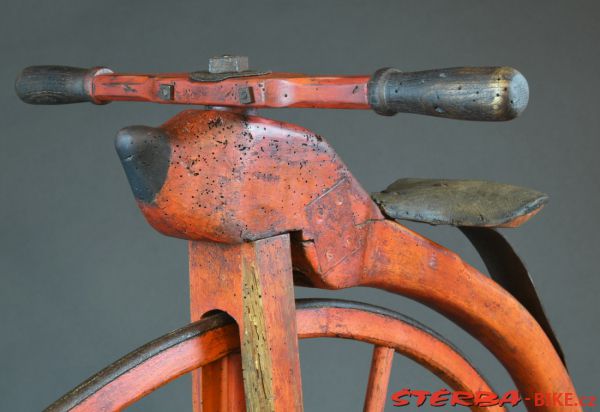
[166,91]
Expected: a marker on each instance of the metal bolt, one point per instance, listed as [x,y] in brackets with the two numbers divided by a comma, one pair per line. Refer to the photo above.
[246,95]
[228,64]
[166,91]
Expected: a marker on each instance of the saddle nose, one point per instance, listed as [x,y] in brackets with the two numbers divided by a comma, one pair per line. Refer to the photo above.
[145,154]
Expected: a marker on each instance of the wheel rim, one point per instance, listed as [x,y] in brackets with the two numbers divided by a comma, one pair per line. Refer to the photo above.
[179,352]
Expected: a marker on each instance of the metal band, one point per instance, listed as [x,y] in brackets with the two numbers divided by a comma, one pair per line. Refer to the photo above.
[204,76]
[508,270]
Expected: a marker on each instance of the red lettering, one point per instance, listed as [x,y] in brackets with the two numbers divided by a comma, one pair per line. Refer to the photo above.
[397,397]
[461,398]
[569,399]
[589,401]
[539,399]
[483,398]
[511,397]
[556,399]
[439,398]
[421,396]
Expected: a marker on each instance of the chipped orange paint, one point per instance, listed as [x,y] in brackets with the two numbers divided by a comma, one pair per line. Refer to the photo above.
[379,377]
[200,351]
[236,178]
[518,221]
[218,282]
[270,90]
[241,187]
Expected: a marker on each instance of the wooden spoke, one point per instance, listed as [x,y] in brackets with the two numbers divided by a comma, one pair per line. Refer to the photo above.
[216,338]
[222,385]
[379,377]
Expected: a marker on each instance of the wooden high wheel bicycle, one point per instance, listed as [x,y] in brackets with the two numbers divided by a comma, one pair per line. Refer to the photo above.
[267,205]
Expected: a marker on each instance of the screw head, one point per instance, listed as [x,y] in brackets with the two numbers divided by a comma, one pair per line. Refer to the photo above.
[228,64]
[166,91]
[246,95]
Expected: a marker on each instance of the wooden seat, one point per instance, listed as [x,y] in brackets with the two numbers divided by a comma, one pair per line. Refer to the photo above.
[473,203]
[477,207]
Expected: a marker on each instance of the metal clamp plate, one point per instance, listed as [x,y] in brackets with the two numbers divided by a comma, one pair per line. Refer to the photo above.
[205,76]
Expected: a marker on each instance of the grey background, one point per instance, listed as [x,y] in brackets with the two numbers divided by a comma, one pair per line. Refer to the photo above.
[84,279]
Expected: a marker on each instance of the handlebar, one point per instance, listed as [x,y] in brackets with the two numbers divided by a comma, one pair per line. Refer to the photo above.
[467,93]
[57,84]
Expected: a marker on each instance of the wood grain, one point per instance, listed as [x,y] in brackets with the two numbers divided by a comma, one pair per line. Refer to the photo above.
[253,283]
[379,377]
[257,364]
[145,369]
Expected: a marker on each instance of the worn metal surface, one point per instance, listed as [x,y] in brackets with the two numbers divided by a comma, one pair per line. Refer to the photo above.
[467,93]
[228,63]
[166,91]
[227,339]
[246,95]
[459,202]
[207,76]
[506,267]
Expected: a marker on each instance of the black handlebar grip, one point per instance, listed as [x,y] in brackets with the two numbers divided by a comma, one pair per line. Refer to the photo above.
[467,93]
[56,84]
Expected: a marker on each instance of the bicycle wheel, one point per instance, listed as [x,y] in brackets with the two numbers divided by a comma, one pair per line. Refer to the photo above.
[181,351]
